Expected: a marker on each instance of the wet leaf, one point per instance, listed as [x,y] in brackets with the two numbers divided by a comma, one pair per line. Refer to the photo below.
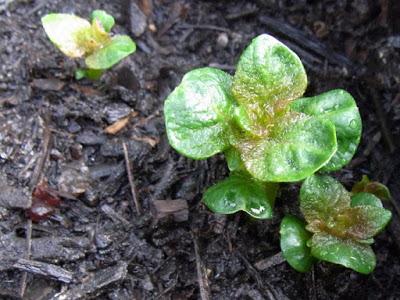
[119,47]
[374,187]
[63,30]
[345,252]
[240,193]
[268,72]
[294,247]
[339,107]
[233,160]
[106,20]
[360,199]
[321,197]
[196,113]
[300,147]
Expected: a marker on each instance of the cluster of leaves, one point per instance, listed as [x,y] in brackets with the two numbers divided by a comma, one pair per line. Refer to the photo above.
[77,38]
[258,119]
[269,133]
[340,226]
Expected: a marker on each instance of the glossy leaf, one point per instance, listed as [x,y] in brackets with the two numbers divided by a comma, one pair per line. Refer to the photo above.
[63,30]
[293,242]
[268,72]
[240,193]
[360,199]
[119,47]
[233,160]
[196,113]
[300,147]
[106,20]
[339,107]
[321,197]
[346,252]
[366,185]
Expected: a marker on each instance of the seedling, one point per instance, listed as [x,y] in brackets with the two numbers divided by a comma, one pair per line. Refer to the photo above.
[366,185]
[258,119]
[78,38]
[340,226]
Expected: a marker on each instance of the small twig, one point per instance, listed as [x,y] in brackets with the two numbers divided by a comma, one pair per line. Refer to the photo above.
[38,171]
[202,279]
[35,179]
[206,27]
[266,287]
[28,256]
[387,135]
[130,178]
[241,14]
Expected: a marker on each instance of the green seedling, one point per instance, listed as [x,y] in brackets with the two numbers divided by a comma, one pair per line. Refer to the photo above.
[79,38]
[259,120]
[339,227]
[366,185]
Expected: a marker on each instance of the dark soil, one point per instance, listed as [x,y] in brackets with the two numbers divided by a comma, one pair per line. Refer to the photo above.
[95,245]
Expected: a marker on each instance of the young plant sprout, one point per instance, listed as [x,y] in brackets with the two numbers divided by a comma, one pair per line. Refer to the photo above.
[340,226]
[79,38]
[366,185]
[257,118]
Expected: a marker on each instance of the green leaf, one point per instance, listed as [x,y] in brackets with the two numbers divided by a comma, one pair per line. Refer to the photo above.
[268,72]
[240,193]
[294,247]
[360,199]
[362,222]
[233,160]
[119,47]
[106,20]
[299,148]
[321,197]
[63,30]
[88,73]
[345,252]
[339,107]
[374,187]
[197,113]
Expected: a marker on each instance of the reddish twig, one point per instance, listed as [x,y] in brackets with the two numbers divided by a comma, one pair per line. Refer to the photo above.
[130,179]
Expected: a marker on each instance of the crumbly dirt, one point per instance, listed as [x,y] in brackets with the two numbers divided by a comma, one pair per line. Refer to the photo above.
[96,245]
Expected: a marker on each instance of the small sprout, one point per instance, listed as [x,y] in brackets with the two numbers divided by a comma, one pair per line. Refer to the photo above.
[78,38]
[342,226]
[366,185]
[258,119]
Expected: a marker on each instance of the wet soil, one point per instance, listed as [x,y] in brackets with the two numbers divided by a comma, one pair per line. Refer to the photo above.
[98,244]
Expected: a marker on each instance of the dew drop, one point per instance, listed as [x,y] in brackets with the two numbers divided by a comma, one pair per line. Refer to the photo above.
[257,211]
[353,124]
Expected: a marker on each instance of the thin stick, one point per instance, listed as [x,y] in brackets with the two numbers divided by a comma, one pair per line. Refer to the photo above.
[205,27]
[28,256]
[35,179]
[136,203]
[203,282]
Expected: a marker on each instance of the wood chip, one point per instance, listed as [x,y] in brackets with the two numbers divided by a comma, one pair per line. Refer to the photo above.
[41,268]
[48,84]
[120,124]
[176,208]
[152,141]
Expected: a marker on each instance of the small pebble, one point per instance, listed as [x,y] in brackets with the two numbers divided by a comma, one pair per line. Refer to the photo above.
[222,40]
